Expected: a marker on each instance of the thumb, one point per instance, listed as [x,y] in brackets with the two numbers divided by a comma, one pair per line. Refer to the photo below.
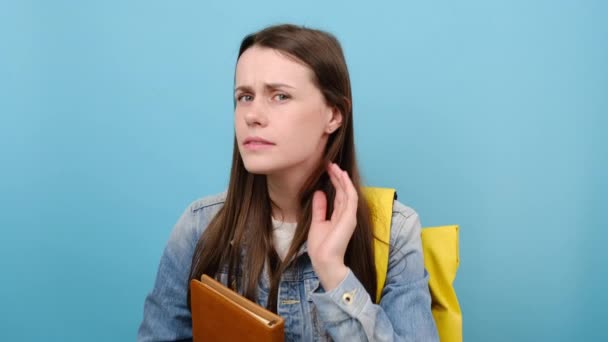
[319,206]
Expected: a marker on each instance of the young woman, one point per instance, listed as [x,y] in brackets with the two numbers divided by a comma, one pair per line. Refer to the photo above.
[293,232]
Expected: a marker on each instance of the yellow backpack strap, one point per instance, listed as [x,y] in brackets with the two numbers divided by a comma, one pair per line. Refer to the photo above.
[380,201]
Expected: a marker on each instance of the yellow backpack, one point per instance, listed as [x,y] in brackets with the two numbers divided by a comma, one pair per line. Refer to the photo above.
[440,249]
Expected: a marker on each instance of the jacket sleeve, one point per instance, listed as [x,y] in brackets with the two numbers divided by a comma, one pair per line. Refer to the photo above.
[404,313]
[166,313]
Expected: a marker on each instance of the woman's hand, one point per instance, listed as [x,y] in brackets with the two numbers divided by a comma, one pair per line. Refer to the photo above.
[328,239]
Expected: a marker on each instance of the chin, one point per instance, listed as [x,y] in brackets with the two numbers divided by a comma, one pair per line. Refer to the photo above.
[259,168]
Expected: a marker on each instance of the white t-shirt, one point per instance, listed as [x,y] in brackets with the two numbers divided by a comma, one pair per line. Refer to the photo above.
[282,234]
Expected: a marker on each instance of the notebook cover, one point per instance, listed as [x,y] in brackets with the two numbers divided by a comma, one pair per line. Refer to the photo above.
[220,314]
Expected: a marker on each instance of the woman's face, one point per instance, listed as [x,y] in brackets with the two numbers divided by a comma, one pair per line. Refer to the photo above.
[281,119]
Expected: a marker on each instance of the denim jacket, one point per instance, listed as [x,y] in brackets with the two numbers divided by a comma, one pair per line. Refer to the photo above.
[346,313]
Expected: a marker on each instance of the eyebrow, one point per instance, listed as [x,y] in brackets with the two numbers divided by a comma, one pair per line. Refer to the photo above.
[268,86]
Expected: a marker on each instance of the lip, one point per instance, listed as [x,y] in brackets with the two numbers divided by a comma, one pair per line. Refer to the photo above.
[256,140]
[257,143]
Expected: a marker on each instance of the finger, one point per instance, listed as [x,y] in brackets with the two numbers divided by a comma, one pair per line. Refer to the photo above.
[334,176]
[339,198]
[319,206]
[351,201]
[348,185]
[352,196]
[338,174]
[343,181]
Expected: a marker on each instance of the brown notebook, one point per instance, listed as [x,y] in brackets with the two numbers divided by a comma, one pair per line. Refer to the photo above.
[220,314]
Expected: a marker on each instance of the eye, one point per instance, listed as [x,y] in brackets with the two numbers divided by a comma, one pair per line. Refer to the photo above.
[244,98]
[281,97]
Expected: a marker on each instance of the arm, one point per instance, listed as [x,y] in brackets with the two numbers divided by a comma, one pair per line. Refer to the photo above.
[166,313]
[404,313]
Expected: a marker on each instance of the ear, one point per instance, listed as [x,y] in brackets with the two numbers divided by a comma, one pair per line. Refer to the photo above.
[335,120]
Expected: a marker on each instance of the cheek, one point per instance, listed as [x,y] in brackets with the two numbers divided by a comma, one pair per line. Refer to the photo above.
[304,132]
[309,116]
[239,123]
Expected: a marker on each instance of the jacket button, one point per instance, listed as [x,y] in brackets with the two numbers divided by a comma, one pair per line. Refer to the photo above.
[347,298]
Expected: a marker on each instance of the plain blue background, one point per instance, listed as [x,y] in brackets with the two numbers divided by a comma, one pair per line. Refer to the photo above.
[115,115]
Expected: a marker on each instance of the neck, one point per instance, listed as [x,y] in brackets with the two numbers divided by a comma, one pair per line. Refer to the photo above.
[284,187]
[284,192]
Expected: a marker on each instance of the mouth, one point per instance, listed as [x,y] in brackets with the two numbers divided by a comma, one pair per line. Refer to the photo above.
[256,143]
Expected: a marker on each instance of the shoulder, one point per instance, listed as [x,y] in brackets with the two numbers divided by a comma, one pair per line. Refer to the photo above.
[405,225]
[204,209]
[209,202]
[402,210]
[196,218]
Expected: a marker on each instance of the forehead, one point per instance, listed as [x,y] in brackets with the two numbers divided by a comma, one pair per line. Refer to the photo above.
[260,64]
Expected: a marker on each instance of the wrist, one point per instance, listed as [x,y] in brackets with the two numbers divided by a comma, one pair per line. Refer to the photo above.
[331,275]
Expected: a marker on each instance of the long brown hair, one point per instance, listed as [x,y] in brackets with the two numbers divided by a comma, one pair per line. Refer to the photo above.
[239,237]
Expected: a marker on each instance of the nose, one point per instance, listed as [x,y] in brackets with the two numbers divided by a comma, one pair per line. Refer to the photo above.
[255,114]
